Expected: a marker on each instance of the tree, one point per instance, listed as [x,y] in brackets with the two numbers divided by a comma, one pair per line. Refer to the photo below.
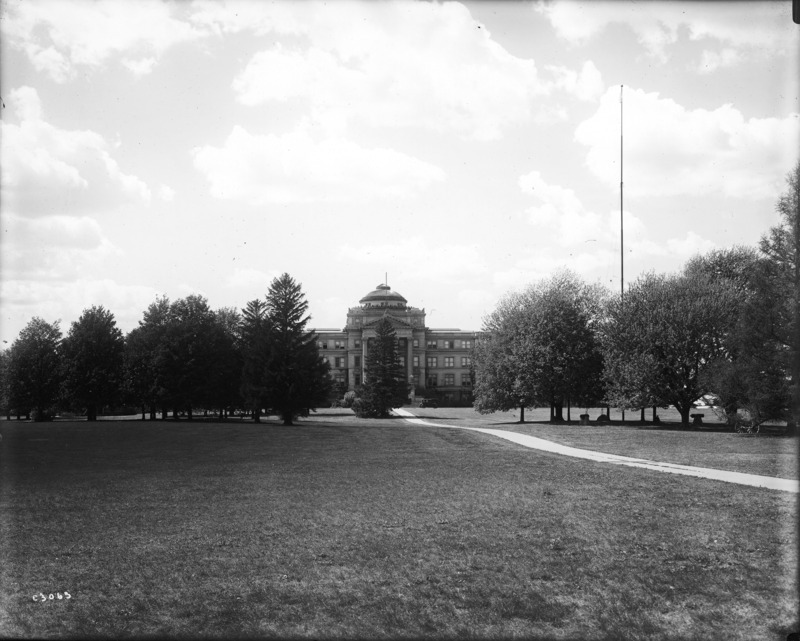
[752,373]
[540,348]
[5,385]
[255,346]
[92,356]
[781,246]
[191,344]
[660,339]
[224,381]
[144,377]
[296,378]
[385,384]
[34,368]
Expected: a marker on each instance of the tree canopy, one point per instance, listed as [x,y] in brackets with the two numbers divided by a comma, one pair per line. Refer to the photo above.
[35,368]
[92,356]
[385,385]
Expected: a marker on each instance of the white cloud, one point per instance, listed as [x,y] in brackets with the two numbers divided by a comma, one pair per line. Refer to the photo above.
[166,193]
[252,279]
[47,170]
[713,60]
[761,29]
[60,37]
[22,299]
[670,150]
[52,248]
[401,64]
[141,66]
[416,257]
[293,167]
[586,84]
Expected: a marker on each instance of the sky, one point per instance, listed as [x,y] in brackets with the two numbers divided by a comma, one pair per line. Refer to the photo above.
[461,150]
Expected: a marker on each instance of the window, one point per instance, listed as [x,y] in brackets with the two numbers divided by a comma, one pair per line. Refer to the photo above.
[416,342]
[358,360]
[339,361]
[466,361]
[448,344]
[402,360]
[431,380]
[465,382]
[338,345]
[319,344]
[324,344]
[466,344]
[432,361]
[358,342]
[339,377]
[357,378]
[449,361]
[449,379]
[431,344]
[415,360]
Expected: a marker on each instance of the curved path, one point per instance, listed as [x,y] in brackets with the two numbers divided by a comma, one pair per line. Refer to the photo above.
[772,483]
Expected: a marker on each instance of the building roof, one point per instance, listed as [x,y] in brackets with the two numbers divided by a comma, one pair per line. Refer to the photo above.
[383,294]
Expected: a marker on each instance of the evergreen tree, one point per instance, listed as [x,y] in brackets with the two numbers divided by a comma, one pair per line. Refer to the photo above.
[92,356]
[34,369]
[385,386]
[296,377]
[255,346]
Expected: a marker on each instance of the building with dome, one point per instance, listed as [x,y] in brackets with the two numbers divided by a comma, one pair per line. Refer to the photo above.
[437,361]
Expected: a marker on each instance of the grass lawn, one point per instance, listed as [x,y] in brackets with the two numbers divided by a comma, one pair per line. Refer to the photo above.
[340,527]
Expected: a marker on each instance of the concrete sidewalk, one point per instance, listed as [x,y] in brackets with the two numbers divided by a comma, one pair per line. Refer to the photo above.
[769,482]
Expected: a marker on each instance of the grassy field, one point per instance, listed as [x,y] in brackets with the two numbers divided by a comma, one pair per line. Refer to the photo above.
[340,527]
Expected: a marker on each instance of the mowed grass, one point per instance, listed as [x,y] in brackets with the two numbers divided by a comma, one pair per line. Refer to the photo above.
[340,527]
[762,454]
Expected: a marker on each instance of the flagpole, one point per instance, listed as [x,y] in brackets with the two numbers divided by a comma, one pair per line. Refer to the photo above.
[621,230]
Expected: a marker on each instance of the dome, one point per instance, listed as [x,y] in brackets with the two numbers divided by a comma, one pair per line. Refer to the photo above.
[383,296]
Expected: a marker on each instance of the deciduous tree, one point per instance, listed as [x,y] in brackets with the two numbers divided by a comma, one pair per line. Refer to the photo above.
[92,357]
[34,368]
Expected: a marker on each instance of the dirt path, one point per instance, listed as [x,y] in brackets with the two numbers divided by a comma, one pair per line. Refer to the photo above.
[772,483]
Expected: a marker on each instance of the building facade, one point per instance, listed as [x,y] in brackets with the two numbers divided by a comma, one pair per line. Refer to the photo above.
[437,362]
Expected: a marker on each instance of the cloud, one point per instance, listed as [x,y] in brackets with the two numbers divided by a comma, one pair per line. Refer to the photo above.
[252,279]
[61,37]
[47,170]
[572,236]
[52,248]
[586,84]
[713,60]
[416,257]
[401,64]
[762,29]
[293,167]
[22,299]
[670,150]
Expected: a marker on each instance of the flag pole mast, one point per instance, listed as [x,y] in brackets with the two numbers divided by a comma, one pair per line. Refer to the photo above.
[621,230]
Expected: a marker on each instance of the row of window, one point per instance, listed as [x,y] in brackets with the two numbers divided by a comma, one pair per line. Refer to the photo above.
[432,380]
[342,344]
[431,361]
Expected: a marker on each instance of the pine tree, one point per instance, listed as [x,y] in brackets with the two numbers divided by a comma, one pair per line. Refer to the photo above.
[385,385]
[296,377]
[255,335]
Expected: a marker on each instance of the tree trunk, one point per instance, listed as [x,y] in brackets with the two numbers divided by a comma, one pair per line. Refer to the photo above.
[569,411]
[684,412]
[143,411]
[642,417]
[287,419]
[91,413]
[655,415]
[257,415]
[152,412]
[175,413]
[189,414]
[521,413]
[558,416]
[164,413]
